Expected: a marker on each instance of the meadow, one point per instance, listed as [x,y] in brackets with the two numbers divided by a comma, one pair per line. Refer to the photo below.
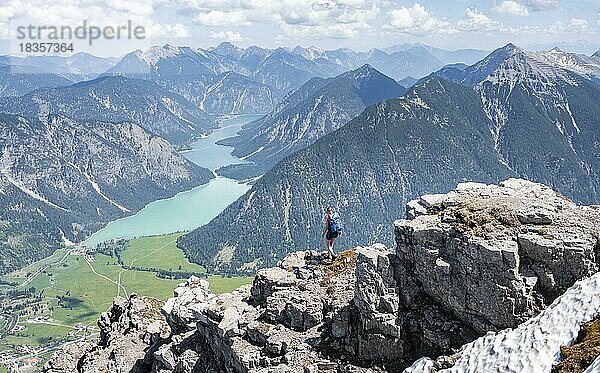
[158,252]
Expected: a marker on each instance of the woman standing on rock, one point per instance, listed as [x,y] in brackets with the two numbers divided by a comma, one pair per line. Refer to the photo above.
[332,230]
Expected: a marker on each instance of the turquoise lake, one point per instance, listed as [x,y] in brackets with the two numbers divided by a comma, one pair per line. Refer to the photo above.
[195,207]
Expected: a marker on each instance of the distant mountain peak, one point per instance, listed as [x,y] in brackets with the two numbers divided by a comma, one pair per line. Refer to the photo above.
[366,68]
[511,46]
[226,44]
[228,49]
[477,72]
[377,52]
[364,74]
[156,53]
[597,54]
[310,53]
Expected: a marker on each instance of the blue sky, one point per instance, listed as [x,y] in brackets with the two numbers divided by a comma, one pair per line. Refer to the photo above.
[359,24]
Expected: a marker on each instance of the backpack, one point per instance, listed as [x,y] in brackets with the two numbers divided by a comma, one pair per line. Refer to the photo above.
[335,224]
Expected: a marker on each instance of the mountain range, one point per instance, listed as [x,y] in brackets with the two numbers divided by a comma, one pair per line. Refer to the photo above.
[213,78]
[317,108]
[118,99]
[512,114]
[62,179]
[21,75]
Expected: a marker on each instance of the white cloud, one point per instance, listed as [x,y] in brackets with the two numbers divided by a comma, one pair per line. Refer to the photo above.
[303,21]
[542,5]
[478,21]
[177,30]
[579,23]
[217,18]
[417,20]
[290,18]
[512,7]
[4,30]
[96,12]
[137,7]
[574,25]
[227,35]
[312,19]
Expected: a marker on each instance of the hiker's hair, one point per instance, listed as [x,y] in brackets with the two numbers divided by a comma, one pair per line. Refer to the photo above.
[329,208]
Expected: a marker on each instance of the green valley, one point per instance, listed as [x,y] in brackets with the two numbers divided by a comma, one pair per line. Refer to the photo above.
[59,299]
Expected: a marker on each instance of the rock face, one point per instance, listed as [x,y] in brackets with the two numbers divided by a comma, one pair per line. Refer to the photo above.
[480,259]
[294,318]
[533,346]
[492,257]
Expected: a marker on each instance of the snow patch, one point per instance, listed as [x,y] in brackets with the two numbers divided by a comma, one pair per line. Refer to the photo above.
[419,102]
[533,346]
[156,53]
[595,367]
[253,153]
[66,241]
[174,109]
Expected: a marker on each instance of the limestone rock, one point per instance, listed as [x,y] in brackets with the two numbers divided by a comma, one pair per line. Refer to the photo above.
[493,256]
[64,361]
[191,292]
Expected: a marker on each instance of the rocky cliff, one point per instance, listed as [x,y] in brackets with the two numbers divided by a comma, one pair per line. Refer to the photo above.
[468,266]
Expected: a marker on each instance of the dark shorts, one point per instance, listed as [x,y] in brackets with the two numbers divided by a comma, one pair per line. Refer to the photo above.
[331,235]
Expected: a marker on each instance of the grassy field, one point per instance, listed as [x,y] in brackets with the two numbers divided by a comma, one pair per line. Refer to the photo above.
[3,369]
[219,284]
[159,252]
[20,275]
[76,290]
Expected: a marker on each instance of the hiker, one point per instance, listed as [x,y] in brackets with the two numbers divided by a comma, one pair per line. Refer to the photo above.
[332,230]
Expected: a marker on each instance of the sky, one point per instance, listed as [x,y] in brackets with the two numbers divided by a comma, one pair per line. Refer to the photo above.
[328,24]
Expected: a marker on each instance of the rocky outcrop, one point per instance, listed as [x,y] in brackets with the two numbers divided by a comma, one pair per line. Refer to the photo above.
[477,260]
[127,331]
[488,258]
[295,317]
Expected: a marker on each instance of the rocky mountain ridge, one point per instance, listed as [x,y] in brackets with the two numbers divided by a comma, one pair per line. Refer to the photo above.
[207,77]
[118,99]
[468,264]
[319,107]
